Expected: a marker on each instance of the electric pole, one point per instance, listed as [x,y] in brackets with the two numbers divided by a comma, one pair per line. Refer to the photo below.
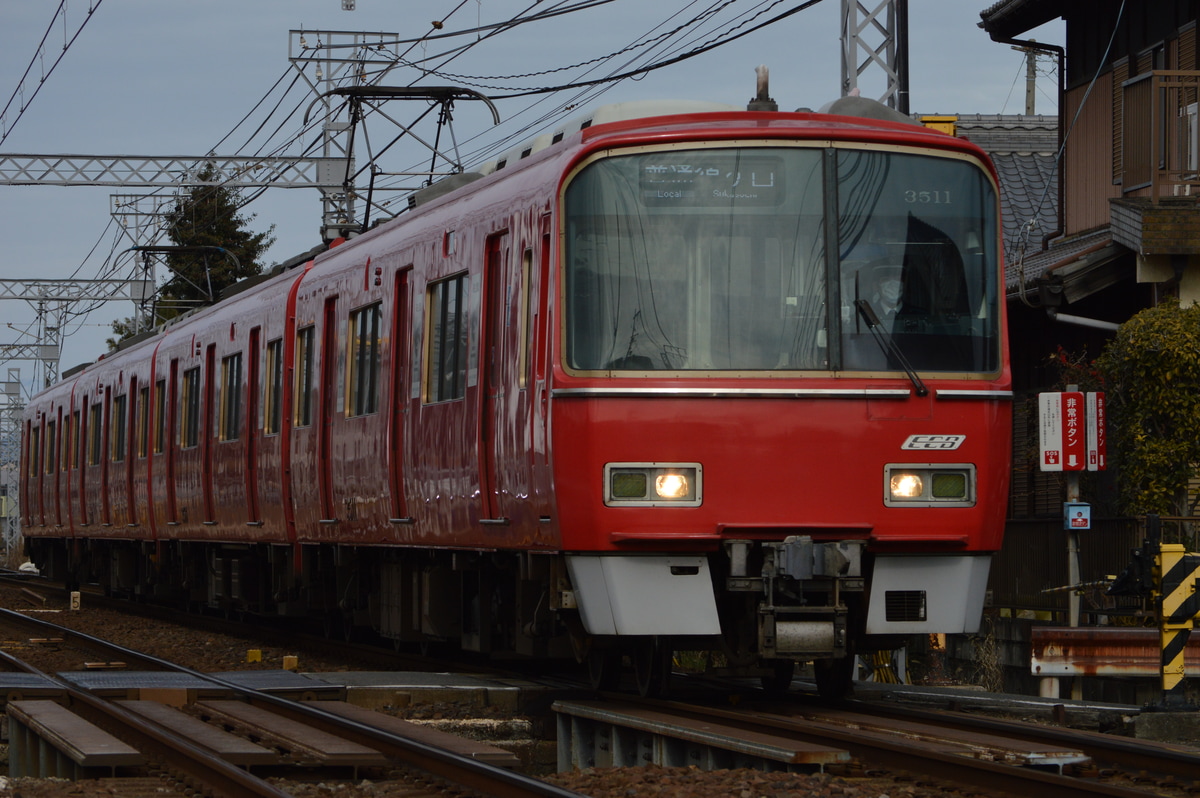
[876,41]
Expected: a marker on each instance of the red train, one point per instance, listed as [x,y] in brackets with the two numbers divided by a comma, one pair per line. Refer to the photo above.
[723,380]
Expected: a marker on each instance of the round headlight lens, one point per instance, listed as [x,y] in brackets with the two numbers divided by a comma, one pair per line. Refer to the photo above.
[671,486]
[906,486]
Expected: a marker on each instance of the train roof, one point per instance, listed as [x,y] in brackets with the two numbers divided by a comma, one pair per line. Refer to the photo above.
[605,114]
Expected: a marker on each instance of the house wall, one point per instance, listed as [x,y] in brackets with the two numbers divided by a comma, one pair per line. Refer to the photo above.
[1096,167]
[1088,161]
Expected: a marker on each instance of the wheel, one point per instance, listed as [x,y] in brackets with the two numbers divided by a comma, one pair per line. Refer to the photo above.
[780,681]
[604,668]
[651,666]
[835,676]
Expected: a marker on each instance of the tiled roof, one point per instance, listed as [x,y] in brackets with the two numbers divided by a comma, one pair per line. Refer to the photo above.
[1026,266]
[1011,18]
[1010,132]
[1029,201]
[1023,149]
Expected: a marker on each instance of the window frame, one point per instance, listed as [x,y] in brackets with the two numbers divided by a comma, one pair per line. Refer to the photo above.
[446,320]
[364,341]
[304,362]
[142,421]
[231,395]
[273,388]
[34,466]
[118,437]
[160,416]
[189,408]
[95,448]
[50,459]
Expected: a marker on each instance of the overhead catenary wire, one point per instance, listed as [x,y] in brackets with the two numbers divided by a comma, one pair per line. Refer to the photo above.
[582,91]
[20,84]
[600,85]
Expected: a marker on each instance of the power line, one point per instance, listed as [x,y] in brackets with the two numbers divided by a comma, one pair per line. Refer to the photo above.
[21,84]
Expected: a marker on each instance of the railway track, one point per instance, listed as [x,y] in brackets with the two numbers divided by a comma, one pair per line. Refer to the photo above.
[991,756]
[1015,758]
[1142,759]
[193,752]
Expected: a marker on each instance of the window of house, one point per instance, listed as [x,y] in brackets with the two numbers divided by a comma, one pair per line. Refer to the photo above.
[189,401]
[231,397]
[446,356]
[362,383]
[305,343]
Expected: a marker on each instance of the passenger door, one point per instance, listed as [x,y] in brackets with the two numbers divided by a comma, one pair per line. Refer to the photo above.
[505,414]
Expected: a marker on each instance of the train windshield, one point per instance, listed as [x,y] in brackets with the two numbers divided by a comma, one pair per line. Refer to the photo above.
[717,260]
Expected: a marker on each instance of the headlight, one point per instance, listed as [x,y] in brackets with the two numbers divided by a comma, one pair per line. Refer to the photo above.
[907,485]
[929,485]
[652,484]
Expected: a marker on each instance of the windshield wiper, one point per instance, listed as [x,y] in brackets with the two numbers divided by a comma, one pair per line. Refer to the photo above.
[888,344]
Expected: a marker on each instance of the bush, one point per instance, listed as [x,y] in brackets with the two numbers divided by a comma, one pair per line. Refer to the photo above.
[1151,371]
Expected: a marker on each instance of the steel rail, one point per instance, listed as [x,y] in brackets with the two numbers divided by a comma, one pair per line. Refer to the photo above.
[487,779]
[68,634]
[483,777]
[163,745]
[907,755]
[1107,749]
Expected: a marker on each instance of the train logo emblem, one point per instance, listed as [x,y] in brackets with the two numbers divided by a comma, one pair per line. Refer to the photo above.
[944,443]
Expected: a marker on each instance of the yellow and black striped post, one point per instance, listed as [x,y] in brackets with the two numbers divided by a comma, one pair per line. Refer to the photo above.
[1178,605]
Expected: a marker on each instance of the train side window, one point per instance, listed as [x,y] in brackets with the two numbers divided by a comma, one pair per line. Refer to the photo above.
[75,432]
[526,316]
[446,355]
[231,397]
[160,416]
[362,385]
[35,450]
[305,342]
[51,447]
[273,386]
[68,432]
[118,424]
[189,428]
[142,419]
[95,428]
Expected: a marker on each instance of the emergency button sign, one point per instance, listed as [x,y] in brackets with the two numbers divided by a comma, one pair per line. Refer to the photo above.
[1065,420]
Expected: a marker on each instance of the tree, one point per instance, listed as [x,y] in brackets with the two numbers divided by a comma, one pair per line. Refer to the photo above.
[206,217]
[1151,371]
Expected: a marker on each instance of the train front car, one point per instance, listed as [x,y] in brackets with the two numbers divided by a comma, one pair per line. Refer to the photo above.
[781,406]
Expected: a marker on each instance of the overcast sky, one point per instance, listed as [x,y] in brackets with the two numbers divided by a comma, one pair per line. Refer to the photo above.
[172,78]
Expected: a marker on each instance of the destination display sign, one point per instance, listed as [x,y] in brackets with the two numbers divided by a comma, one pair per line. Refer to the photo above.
[699,179]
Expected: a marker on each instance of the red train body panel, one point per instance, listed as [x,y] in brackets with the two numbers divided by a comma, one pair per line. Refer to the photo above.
[613,394]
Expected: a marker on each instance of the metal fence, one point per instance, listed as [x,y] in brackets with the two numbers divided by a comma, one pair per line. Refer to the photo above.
[1033,563]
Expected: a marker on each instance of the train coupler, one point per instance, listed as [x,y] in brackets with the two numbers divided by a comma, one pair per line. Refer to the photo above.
[802,558]
[798,558]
